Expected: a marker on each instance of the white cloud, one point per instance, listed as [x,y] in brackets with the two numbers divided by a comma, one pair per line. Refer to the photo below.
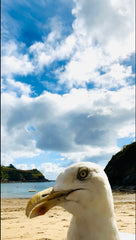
[14,65]
[32,166]
[86,66]
[14,62]
[50,50]
[22,166]
[51,170]
[81,68]
[96,154]
[84,122]
[6,159]
[16,141]
[104,20]
[10,85]
[129,128]
[87,61]
[115,76]
[100,28]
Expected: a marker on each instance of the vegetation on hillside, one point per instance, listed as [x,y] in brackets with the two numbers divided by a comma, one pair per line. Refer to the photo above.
[11,174]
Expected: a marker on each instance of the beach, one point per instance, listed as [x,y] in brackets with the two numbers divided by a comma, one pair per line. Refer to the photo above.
[54,224]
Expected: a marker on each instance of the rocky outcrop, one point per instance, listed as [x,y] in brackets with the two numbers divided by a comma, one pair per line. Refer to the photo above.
[121,169]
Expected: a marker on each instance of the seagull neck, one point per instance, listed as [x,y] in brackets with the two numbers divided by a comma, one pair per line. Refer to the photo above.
[94,224]
[94,229]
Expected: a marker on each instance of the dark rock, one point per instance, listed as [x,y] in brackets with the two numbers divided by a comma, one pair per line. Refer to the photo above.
[121,169]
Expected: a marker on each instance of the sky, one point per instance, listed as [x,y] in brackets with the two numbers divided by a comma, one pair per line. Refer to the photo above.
[68,85]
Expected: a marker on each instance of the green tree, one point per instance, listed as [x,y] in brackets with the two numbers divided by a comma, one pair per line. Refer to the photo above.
[11,166]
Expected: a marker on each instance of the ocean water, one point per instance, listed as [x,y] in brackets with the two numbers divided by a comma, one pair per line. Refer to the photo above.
[21,190]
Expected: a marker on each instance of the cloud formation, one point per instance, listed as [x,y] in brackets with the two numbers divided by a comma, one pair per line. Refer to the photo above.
[14,62]
[115,19]
[93,47]
[100,28]
[68,85]
[73,122]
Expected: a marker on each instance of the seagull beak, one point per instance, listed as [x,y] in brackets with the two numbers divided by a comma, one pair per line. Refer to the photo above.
[41,202]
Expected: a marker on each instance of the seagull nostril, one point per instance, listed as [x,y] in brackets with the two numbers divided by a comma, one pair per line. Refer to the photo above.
[44,195]
[48,192]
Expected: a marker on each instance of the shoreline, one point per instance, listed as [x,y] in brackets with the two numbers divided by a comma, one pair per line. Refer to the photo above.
[28,182]
[114,193]
[117,196]
[55,223]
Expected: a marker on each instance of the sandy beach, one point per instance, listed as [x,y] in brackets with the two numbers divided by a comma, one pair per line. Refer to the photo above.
[54,224]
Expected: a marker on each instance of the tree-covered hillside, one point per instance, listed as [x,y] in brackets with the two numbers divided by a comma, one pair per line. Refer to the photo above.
[11,174]
[121,169]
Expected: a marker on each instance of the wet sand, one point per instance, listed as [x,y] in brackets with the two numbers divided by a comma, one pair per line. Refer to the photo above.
[54,224]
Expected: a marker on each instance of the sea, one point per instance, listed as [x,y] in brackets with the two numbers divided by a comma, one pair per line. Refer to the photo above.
[23,189]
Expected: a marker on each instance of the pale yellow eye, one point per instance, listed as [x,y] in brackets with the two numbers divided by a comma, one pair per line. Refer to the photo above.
[82,174]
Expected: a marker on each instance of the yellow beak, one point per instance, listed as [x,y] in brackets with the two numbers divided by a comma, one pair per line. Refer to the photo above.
[41,202]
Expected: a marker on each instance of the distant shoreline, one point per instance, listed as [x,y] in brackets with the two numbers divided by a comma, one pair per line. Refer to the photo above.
[27,181]
[124,190]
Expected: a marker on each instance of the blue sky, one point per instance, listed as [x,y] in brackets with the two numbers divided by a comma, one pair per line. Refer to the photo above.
[67,82]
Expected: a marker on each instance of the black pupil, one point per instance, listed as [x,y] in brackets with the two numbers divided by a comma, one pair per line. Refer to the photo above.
[83,174]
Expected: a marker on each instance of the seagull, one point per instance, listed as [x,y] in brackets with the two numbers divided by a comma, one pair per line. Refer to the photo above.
[83,190]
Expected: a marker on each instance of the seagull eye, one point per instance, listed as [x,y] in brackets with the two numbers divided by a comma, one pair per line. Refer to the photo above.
[82,174]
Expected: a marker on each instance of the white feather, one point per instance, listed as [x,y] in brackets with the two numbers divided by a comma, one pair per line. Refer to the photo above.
[127,236]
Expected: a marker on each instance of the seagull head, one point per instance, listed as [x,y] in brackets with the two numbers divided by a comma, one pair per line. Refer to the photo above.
[82,187]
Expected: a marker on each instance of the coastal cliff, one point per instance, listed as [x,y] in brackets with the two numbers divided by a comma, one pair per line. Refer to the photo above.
[121,169]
